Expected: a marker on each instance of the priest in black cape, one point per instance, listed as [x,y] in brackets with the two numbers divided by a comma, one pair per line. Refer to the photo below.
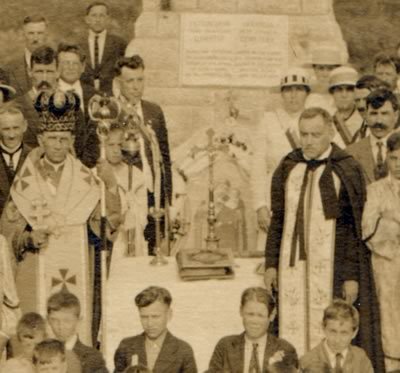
[314,249]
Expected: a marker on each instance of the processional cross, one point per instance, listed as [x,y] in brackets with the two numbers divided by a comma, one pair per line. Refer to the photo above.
[211,148]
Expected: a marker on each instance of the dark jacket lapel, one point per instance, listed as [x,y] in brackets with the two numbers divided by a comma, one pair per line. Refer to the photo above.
[236,354]
[167,355]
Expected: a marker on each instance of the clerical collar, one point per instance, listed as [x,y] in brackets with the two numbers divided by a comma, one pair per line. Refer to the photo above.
[158,342]
[56,166]
[8,150]
[324,155]
[332,355]
[70,344]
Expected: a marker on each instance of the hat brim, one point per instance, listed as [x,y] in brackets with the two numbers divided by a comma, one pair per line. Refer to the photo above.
[341,84]
[10,90]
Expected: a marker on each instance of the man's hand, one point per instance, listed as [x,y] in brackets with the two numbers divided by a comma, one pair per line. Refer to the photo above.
[271,279]
[105,173]
[350,291]
[39,238]
[263,218]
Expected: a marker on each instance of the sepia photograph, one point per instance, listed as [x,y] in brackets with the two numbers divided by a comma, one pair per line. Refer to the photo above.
[205,186]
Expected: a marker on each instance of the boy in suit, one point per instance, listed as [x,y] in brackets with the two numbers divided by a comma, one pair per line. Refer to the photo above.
[63,314]
[340,325]
[156,348]
[255,350]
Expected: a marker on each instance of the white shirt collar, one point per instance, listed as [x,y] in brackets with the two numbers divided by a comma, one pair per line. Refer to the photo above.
[9,149]
[101,35]
[332,355]
[70,344]
[248,346]
[64,86]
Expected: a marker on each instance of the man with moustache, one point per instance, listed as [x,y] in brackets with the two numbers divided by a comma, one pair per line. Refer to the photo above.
[364,86]
[346,119]
[314,248]
[44,78]
[35,35]
[382,116]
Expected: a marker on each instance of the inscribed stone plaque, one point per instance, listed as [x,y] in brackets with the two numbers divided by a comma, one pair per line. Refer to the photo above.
[233,50]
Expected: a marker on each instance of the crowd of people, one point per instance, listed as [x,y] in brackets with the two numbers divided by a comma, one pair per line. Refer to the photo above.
[326,185]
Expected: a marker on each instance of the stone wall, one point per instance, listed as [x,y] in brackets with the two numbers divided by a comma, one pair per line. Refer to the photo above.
[311,22]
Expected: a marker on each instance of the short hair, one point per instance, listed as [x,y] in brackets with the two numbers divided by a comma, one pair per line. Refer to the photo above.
[258,294]
[371,82]
[31,321]
[63,300]
[97,3]
[46,350]
[378,97]
[152,294]
[314,112]
[34,19]
[386,59]
[12,108]
[134,62]
[393,142]
[44,55]
[340,310]
[70,48]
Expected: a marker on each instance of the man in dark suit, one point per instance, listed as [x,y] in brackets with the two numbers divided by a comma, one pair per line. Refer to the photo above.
[35,35]
[131,77]
[13,150]
[156,348]
[44,78]
[63,315]
[254,350]
[102,48]
[382,115]
[71,64]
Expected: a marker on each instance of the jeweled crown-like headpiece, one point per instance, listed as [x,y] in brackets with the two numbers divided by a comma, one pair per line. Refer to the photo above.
[57,111]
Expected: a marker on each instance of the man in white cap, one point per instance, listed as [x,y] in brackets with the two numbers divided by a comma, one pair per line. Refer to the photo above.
[324,60]
[347,119]
[277,134]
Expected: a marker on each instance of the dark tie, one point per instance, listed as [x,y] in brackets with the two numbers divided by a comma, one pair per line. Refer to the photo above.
[11,167]
[338,363]
[298,234]
[254,366]
[380,168]
[96,52]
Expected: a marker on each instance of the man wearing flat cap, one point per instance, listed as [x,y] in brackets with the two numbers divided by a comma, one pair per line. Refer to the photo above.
[347,120]
[53,198]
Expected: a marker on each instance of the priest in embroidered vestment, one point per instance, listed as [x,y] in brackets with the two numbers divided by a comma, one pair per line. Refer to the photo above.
[381,230]
[314,250]
[53,198]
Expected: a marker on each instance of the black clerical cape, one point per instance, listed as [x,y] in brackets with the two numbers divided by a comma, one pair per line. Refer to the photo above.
[334,249]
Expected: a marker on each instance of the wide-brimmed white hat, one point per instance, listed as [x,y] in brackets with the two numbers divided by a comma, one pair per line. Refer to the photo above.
[343,75]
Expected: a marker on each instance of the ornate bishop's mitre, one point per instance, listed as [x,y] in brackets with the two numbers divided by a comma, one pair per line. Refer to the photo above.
[57,111]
